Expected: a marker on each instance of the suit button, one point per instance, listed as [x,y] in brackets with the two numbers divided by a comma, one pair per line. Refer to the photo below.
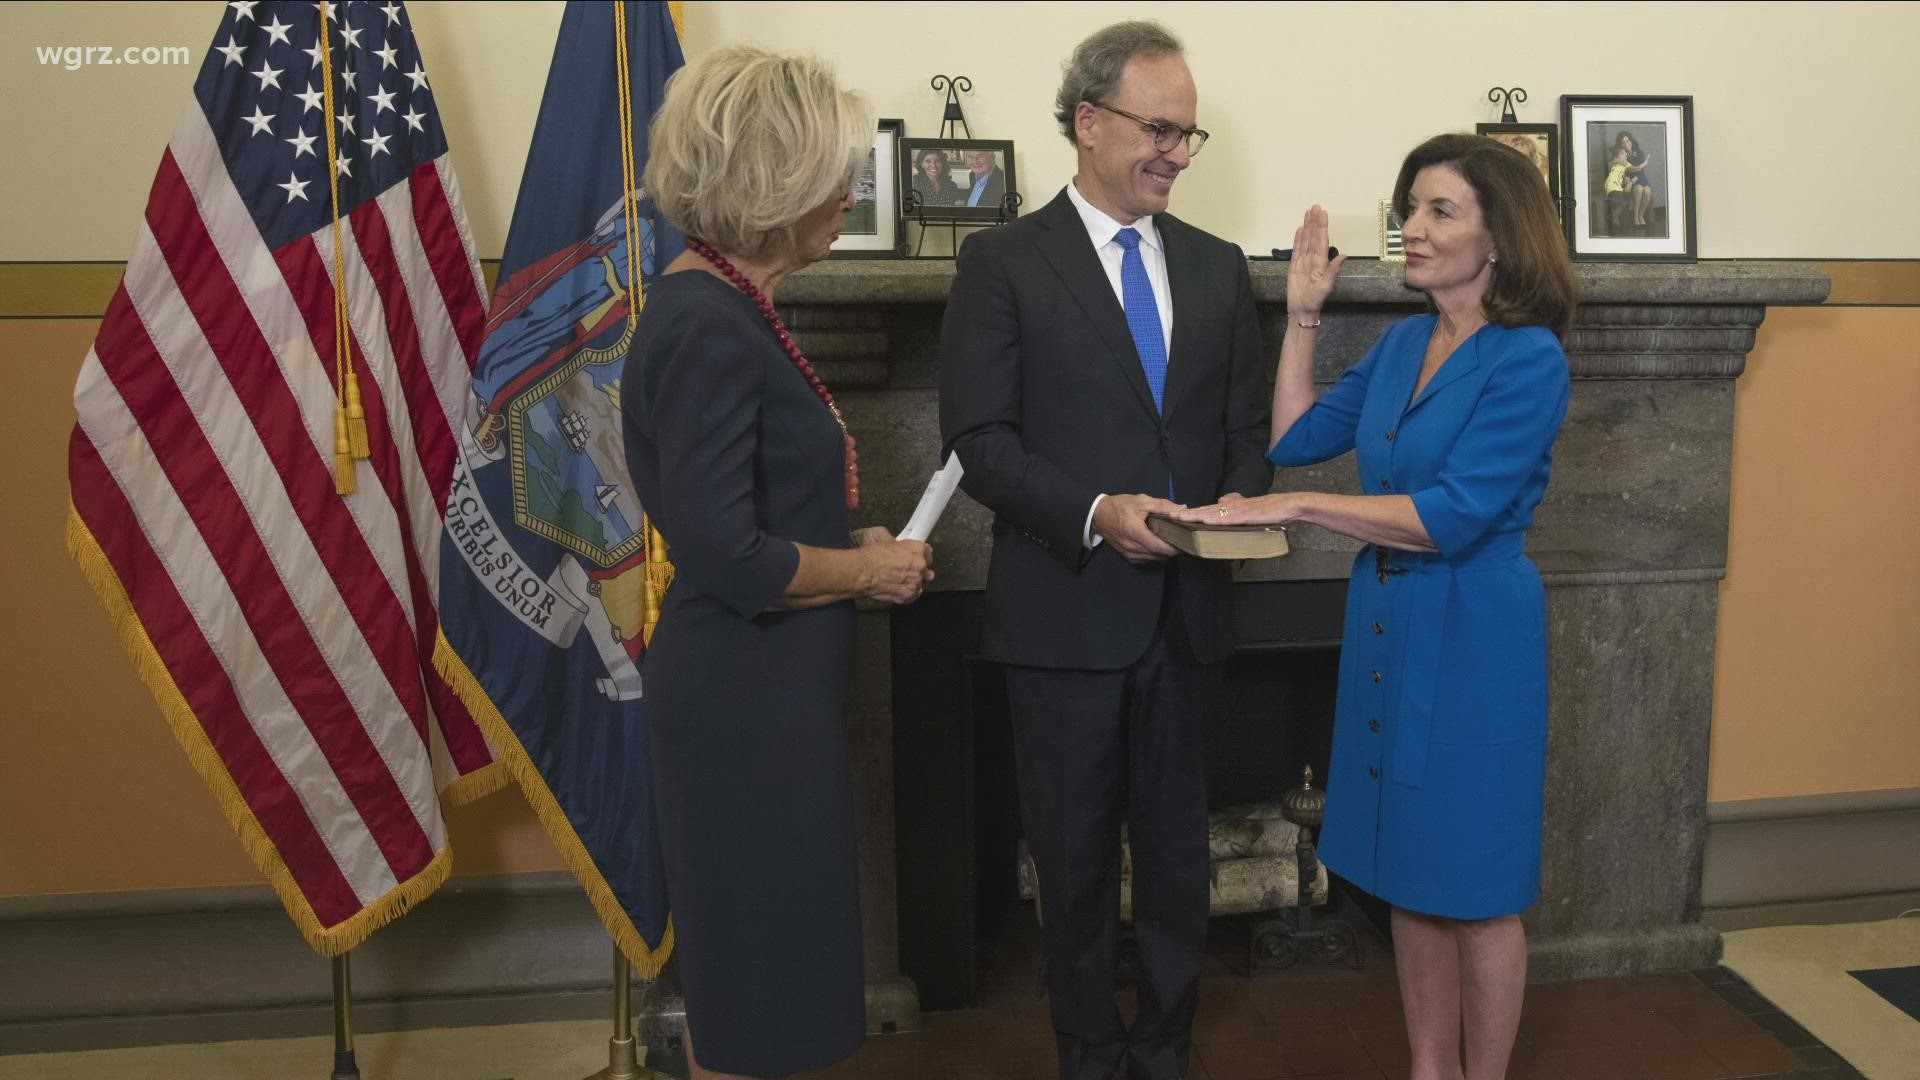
[1376,676]
[1373,772]
[1378,629]
[1389,434]
[1386,485]
[1373,725]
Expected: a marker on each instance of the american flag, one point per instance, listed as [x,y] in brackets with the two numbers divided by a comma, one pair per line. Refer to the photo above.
[286,630]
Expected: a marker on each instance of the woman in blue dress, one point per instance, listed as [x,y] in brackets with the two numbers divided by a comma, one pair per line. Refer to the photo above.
[1439,748]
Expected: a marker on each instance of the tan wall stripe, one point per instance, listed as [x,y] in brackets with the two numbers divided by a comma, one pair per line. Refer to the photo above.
[76,290]
[81,290]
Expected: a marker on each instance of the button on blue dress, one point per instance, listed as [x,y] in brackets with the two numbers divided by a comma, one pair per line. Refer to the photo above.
[1440,728]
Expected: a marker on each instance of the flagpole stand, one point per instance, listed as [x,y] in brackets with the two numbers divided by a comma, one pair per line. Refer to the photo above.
[623,1050]
[344,1066]
[663,1024]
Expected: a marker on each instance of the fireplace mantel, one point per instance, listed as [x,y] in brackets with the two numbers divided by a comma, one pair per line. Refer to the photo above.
[1632,539]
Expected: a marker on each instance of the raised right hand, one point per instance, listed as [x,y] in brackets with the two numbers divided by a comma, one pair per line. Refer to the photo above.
[1122,521]
[1310,276]
[896,570]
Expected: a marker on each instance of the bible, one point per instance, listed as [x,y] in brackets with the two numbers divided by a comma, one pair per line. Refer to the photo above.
[1221,541]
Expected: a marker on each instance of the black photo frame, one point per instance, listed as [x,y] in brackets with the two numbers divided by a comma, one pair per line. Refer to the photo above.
[872,229]
[945,199]
[1539,142]
[1628,163]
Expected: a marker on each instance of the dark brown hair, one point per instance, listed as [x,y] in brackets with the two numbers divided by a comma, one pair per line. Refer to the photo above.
[1533,281]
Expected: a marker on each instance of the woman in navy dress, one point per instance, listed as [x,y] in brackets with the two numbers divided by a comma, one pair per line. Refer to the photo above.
[740,456]
[1439,747]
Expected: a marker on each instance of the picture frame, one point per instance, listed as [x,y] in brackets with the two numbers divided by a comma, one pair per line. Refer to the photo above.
[1392,248]
[950,197]
[871,230]
[1628,163]
[1539,142]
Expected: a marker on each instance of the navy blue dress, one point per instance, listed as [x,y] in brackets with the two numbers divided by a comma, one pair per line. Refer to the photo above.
[735,459]
[1440,728]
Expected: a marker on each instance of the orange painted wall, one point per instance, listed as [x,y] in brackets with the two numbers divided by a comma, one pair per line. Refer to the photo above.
[1819,634]
[95,795]
[1818,683]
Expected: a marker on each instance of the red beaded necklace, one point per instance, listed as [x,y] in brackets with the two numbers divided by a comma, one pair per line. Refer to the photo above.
[731,273]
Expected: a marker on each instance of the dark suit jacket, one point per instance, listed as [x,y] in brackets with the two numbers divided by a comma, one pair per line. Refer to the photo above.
[1043,398]
[996,190]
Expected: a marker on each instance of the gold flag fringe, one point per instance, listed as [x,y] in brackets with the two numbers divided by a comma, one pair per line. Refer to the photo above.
[646,960]
[477,784]
[192,737]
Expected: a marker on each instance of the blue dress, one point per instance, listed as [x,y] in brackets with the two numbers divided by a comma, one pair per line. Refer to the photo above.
[1440,728]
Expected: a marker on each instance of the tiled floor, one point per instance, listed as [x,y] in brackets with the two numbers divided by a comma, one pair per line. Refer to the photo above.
[1346,1025]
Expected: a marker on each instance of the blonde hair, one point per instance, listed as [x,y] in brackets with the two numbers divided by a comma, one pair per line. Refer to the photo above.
[748,141]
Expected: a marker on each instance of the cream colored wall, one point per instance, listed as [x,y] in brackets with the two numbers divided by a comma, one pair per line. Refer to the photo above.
[1308,102]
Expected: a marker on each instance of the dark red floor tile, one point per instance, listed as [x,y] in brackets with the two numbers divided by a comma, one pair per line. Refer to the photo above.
[1252,1060]
[1317,1055]
[1386,1046]
[1672,1061]
[1712,1021]
[1753,1055]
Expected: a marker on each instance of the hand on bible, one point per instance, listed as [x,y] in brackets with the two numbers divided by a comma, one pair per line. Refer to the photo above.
[1122,521]
[1280,508]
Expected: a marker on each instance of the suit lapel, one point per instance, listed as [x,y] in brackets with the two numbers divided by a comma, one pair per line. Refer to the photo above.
[1186,296]
[1064,242]
[1465,358]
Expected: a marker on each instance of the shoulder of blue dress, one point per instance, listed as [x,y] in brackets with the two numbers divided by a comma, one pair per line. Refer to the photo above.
[1524,349]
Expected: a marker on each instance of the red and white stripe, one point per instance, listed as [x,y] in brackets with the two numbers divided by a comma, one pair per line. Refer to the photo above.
[297,625]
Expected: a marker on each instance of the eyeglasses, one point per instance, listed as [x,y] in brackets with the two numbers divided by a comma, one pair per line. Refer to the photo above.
[1165,136]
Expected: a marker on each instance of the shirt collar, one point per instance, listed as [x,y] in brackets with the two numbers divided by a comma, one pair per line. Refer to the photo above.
[1102,228]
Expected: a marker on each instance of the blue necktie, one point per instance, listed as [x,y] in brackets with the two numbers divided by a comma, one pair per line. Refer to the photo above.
[1143,314]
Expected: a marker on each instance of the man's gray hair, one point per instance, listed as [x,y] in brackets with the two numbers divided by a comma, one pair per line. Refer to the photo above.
[1093,72]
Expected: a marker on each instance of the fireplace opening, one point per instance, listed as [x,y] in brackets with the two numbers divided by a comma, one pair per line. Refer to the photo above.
[966,938]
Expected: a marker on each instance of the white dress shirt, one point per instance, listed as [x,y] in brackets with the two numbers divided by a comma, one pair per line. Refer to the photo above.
[1101,230]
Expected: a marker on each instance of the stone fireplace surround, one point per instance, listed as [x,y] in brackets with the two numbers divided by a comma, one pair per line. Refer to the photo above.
[1631,539]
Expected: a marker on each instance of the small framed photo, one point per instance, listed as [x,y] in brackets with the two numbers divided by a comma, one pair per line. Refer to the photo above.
[871,230]
[1629,168]
[1538,143]
[1392,247]
[958,179]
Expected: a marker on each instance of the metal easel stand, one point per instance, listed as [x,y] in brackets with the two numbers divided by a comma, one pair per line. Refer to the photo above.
[930,217]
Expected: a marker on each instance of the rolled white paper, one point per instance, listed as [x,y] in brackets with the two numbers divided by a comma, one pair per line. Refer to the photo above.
[933,502]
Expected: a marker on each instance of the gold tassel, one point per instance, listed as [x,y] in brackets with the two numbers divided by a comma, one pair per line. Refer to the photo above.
[344,479]
[356,418]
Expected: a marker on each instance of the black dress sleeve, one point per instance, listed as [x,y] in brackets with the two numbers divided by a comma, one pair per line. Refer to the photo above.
[705,394]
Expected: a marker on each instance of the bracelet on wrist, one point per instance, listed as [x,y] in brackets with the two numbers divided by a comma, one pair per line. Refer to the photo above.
[1304,324]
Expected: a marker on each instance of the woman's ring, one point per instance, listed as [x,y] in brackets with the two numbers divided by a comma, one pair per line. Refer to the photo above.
[1223,511]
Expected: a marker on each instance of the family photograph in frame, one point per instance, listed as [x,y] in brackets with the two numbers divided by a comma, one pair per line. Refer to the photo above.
[871,230]
[1538,143]
[1628,162]
[958,179]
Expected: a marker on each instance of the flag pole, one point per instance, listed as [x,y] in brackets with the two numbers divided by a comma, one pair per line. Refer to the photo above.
[344,1066]
[623,1057]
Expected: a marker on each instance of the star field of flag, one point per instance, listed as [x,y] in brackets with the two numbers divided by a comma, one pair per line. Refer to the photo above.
[264,96]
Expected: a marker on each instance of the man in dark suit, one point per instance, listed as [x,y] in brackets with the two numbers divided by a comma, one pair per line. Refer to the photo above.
[988,185]
[1099,359]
